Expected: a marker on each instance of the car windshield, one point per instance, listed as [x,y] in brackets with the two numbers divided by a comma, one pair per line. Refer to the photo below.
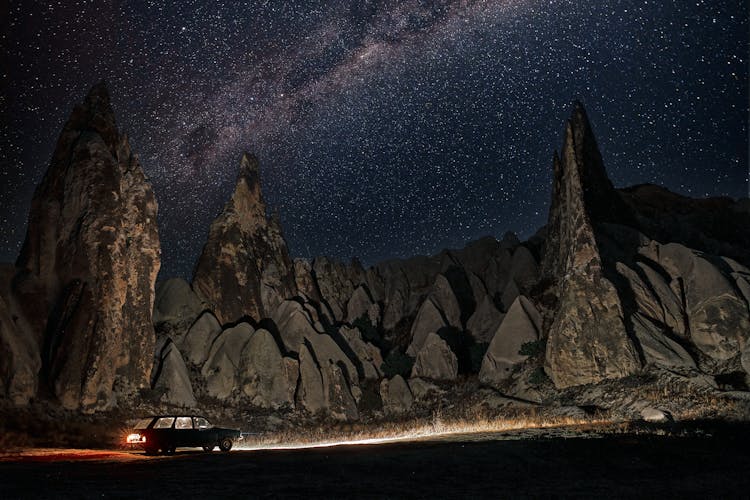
[142,423]
[201,423]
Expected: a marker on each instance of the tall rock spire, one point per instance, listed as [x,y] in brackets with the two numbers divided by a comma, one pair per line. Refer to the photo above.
[88,265]
[244,269]
[587,340]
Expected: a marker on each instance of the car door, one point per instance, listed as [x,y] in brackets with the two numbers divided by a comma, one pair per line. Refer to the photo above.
[204,432]
[163,432]
[183,431]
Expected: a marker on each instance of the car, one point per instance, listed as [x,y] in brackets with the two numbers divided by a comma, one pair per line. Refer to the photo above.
[165,433]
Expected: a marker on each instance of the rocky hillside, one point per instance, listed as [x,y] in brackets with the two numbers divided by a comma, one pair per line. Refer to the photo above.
[618,285]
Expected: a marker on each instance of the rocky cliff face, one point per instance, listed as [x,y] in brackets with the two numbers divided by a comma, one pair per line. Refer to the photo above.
[245,269]
[87,269]
[588,340]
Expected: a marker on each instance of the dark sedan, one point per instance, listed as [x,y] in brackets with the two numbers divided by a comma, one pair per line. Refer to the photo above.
[165,433]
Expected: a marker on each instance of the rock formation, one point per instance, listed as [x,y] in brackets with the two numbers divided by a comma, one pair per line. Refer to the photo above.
[244,269]
[435,360]
[263,372]
[521,325]
[221,367]
[396,395]
[484,322]
[196,343]
[170,375]
[588,340]
[440,310]
[176,307]
[87,268]
[367,355]
[20,362]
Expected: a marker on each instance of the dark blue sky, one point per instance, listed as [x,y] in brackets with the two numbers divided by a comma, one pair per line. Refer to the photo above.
[383,128]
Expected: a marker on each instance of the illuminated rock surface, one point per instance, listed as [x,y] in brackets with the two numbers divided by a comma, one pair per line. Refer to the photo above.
[245,269]
[87,269]
[170,376]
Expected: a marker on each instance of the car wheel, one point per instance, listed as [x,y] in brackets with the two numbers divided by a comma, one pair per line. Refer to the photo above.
[225,444]
[209,448]
[169,450]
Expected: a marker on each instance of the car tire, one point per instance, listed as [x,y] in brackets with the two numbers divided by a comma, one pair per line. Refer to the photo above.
[209,448]
[225,444]
[169,450]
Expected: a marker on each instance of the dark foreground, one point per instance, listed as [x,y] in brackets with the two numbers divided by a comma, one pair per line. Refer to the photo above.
[700,465]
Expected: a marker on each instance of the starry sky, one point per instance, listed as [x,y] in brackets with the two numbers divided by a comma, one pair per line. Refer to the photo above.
[384,128]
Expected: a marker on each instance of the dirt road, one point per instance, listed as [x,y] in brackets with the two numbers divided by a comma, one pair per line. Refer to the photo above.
[609,466]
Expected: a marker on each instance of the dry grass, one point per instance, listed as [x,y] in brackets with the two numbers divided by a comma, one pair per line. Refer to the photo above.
[414,430]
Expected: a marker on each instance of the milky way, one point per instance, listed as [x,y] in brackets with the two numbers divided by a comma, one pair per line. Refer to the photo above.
[384,129]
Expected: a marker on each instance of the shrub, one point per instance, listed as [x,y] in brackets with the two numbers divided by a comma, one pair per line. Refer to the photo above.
[533,348]
[397,363]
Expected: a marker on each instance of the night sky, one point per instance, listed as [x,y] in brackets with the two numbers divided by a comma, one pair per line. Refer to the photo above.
[384,128]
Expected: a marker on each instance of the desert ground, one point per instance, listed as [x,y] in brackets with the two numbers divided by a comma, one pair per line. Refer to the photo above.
[698,461]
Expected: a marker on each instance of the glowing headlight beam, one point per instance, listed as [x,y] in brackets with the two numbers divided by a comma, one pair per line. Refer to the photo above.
[429,432]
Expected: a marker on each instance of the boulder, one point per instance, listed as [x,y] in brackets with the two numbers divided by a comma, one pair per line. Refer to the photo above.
[429,319]
[717,316]
[650,414]
[672,311]
[522,324]
[196,343]
[440,309]
[170,376]
[395,309]
[244,269]
[421,388]
[220,368]
[339,402]
[368,355]
[396,395]
[294,324]
[324,349]
[264,374]
[361,304]
[89,262]
[658,349]
[485,321]
[444,297]
[588,341]
[310,395]
[435,360]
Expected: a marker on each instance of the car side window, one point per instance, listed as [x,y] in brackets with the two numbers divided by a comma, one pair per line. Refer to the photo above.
[164,423]
[184,423]
[201,423]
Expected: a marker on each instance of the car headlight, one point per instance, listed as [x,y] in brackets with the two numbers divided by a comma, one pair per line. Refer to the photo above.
[136,438]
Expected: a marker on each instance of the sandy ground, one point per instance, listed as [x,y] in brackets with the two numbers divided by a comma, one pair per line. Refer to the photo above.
[714,463]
